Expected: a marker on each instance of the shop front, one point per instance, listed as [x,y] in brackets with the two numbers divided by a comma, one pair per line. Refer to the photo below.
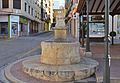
[13,26]
[24,26]
[3,26]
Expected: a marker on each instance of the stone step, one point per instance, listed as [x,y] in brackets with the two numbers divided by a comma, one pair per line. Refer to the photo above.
[91,79]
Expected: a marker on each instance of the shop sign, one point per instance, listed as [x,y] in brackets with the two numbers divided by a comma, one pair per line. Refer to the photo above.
[23,20]
[3,18]
[14,18]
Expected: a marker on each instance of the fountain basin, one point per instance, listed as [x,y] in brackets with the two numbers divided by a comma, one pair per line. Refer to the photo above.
[60,53]
[81,70]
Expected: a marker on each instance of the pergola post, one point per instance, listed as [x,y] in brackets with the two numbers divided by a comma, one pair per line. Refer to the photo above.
[87,39]
[82,31]
[106,73]
[80,28]
[112,29]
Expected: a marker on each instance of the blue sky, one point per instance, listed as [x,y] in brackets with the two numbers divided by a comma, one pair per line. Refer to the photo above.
[58,3]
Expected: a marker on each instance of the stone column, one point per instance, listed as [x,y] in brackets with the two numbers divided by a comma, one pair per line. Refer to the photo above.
[77,26]
[11,4]
[28,29]
[73,27]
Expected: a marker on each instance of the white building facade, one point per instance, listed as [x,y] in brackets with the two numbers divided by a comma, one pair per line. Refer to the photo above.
[20,17]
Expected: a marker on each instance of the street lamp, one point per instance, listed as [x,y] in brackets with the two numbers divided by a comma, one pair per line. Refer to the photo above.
[87,39]
[106,72]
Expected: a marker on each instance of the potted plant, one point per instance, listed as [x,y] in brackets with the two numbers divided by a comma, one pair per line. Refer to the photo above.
[112,34]
[83,32]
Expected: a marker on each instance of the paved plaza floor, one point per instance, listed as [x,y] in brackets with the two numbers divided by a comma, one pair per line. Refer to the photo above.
[98,51]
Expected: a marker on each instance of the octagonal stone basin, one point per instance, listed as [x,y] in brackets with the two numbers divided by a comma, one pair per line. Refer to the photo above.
[81,70]
[60,53]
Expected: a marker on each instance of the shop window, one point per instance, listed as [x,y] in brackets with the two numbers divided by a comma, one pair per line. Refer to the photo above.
[17,4]
[5,3]
[118,24]
[32,11]
[14,28]
[4,28]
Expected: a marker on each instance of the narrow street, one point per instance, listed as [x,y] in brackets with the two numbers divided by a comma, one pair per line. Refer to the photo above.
[14,49]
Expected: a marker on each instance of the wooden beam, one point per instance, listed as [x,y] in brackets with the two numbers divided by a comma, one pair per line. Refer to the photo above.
[103,8]
[93,5]
[117,12]
[115,9]
[82,7]
[99,5]
[112,3]
[118,9]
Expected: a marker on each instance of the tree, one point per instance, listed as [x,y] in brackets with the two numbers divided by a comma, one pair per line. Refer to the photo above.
[83,32]
[112,34]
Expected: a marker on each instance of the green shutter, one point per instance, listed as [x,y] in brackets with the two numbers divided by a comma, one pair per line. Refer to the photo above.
[8,26]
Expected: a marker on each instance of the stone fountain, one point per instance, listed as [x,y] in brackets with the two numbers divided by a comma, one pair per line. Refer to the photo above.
[60,59]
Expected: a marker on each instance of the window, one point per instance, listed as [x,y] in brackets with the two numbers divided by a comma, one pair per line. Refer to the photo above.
[32,12]
[17,4]
[25,6]
[5,3]
[29,9]
[46,5]
[35,14]
[38,16]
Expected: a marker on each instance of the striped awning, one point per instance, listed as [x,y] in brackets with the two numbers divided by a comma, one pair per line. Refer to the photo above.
[98,7]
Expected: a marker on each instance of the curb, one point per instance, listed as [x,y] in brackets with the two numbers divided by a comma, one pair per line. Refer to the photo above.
[9,76]
[35,34]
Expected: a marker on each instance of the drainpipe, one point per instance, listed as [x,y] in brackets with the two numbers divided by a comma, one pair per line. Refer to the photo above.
[112,29]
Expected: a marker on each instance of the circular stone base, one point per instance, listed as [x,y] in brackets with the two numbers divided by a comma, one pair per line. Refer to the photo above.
[84,69]
[14,72]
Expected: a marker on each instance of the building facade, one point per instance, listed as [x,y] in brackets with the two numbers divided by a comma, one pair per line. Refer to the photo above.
[20,17]
[72,17]
[48,10]
[96,20]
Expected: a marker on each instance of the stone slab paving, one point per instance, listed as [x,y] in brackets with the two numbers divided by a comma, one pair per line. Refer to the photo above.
[98,53]
[99,48]
[114,71]
[17,48]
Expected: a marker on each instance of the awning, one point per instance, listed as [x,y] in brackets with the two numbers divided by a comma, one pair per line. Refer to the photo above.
[73,10]
[68,11]
[98,7]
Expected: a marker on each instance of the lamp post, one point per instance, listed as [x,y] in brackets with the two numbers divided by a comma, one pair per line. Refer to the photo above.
[106,76]
[87,39]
